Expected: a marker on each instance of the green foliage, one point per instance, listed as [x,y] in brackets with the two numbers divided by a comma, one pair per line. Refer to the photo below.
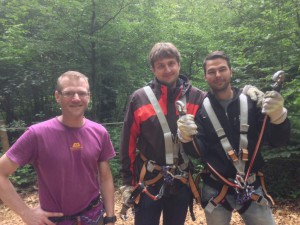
[24,177]
[282,152]
[15,129]
[16,125]
[115,169]
[110,40]
[282,177]
[115,131]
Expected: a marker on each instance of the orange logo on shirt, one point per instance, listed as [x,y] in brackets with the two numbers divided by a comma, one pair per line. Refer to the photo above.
[76,146]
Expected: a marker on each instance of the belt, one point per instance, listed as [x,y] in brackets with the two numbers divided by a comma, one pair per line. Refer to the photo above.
[92,204]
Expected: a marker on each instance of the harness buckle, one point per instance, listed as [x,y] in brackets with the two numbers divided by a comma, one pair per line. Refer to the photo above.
[150,165]
[232,155]
[167,175]
[244,154]
[211,205]
[259,199]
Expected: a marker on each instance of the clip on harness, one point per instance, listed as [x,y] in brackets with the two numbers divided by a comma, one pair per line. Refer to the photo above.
[241,183]
[172,148]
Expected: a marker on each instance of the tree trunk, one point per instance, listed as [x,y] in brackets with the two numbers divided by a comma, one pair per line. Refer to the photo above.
[3,136]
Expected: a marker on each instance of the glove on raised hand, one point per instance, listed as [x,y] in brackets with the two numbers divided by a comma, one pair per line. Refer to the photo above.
[272,105]
[255,94]
[125,194]
[186,128]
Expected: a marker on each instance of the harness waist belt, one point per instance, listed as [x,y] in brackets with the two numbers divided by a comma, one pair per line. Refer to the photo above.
[251,178]
[92,204]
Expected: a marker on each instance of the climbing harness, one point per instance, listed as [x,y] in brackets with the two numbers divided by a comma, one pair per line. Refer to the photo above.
[243,185]
[169,172]
[78,218]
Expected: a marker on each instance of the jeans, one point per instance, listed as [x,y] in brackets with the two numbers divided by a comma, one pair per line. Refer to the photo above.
[173,206]
[254,215]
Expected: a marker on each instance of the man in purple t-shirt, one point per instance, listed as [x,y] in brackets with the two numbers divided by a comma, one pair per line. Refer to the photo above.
[71,157]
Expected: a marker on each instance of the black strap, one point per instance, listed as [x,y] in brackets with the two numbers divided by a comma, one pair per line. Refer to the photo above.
[226,205]
[245,207]
[191,208]
[93,203]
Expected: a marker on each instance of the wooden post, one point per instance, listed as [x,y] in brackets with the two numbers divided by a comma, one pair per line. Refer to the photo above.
[3,136]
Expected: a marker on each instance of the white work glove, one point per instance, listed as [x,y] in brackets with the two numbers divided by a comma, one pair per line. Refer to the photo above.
[255,94]
[272,105]
[125,194]
[186,128]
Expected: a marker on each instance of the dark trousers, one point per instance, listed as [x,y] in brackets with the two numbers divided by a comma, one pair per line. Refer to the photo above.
[174,207]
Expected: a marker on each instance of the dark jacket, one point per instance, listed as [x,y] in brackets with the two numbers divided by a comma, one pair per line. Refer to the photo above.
[142,131]
[210,147]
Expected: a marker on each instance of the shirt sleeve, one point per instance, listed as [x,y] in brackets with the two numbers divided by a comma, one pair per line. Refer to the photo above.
[24,150]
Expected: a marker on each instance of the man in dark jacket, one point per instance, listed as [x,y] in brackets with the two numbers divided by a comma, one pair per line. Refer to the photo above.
[151,146]
[227,130]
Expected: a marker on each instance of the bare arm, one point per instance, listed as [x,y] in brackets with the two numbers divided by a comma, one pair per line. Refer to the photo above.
[11,198]
[107,187]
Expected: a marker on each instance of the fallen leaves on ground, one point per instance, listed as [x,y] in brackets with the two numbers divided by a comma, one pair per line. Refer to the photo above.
[285,213]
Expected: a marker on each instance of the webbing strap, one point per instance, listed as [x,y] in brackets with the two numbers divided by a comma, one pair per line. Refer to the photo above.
[194,189]
[263,185]
[243,121]
[172,147]
[164,125]
[213,203]
[239,164]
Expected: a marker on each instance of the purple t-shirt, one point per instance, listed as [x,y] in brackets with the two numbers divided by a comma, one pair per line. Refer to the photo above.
[66,161]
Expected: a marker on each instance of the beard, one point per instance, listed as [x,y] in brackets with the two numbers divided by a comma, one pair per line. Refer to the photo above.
[220,88]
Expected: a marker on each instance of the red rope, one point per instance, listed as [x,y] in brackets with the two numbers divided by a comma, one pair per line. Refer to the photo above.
[223,178]
[256,147]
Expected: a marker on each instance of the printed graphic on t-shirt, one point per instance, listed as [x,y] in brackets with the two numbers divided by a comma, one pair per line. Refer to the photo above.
[76,146]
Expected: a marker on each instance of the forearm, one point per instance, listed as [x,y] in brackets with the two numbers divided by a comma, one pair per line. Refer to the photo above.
[11,198]
[8,193]
[107,188]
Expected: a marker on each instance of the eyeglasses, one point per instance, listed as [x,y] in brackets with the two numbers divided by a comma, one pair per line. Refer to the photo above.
[71,94]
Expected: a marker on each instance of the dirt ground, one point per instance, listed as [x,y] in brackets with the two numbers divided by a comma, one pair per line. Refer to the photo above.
[285,213]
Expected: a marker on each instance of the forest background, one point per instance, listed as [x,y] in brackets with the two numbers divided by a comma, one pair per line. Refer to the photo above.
[109,41]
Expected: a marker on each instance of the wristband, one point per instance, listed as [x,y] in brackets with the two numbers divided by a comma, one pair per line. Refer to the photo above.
[109,219]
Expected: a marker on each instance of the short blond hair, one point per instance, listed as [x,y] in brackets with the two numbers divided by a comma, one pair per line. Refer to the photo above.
[71,75]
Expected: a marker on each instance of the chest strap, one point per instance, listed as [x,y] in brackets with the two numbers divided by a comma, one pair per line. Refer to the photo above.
[241,156]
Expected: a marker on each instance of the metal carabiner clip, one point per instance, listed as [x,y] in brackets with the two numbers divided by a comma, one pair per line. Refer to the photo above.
[239,180]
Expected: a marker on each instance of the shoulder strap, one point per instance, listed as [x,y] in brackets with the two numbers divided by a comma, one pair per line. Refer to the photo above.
[164,125]
[244,126]
[237,160]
